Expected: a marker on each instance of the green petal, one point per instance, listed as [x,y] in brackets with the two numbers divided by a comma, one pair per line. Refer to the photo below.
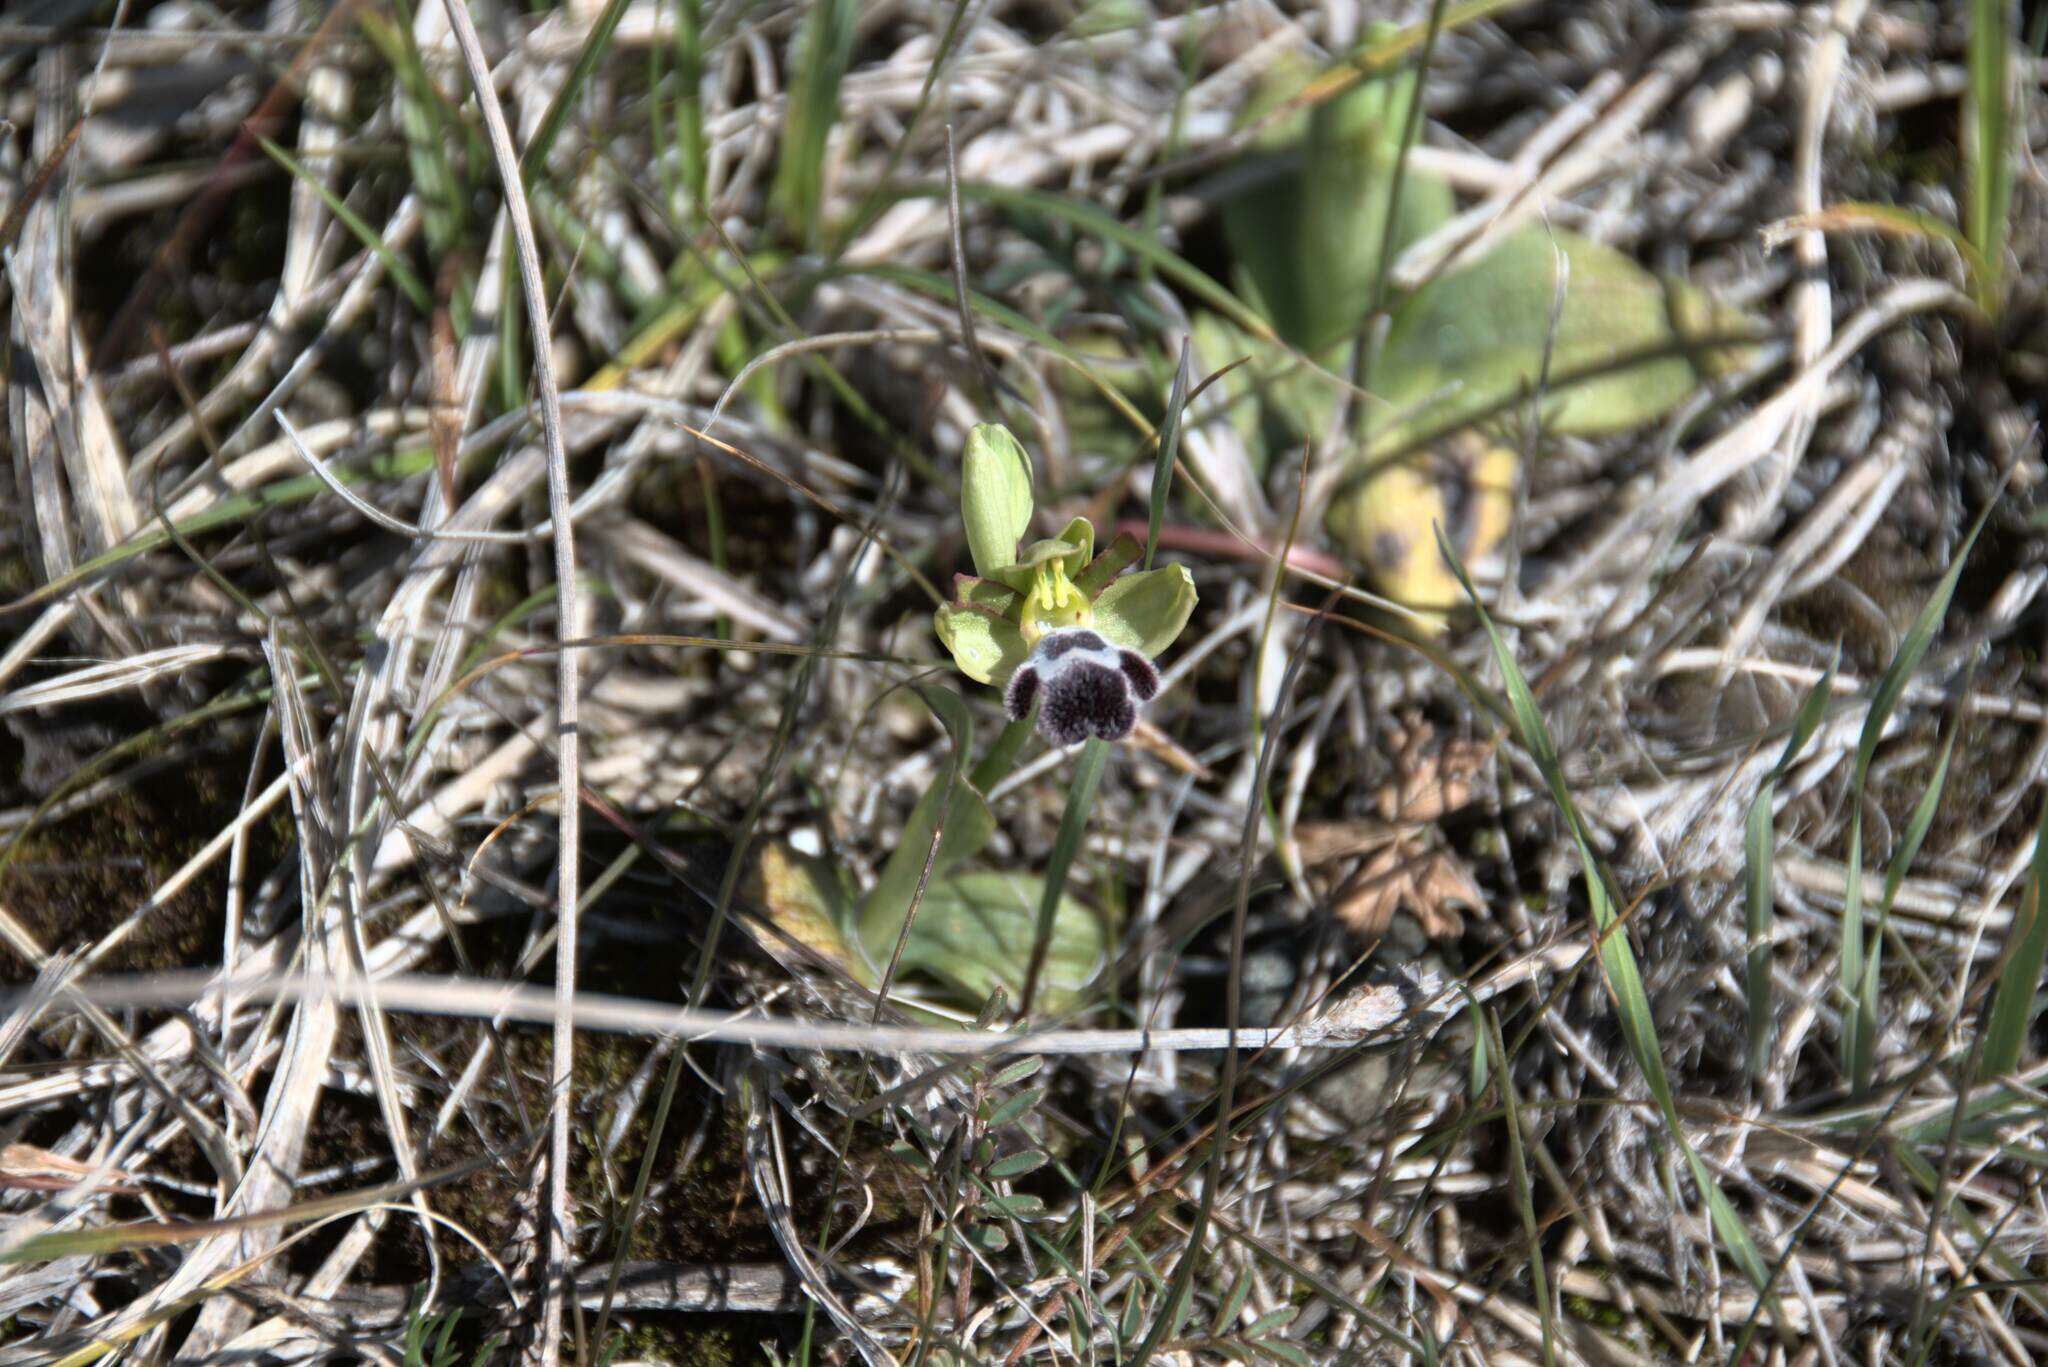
[995,496]
[1117,557]
[1071,548]
[1144,612]
[987,646]
[1080,534]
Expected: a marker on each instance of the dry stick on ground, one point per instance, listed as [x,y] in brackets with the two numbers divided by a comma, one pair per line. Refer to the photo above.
[560,1233]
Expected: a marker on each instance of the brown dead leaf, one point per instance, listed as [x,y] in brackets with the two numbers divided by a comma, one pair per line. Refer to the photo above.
[1431,778]
[1370,869]
[1405,872]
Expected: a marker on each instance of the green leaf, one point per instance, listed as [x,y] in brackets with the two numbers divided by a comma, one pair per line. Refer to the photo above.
[1017,1165]
[1019,1207]
[1012,1109]
[986,645]
[2019,977]
[910,1158]
[995,496]
[1016,1072]
[1233,1302]
[1625,348]
[1273,1321]
[1307,225]
[967,830]
[1133,1317]
[1146,611]
[974,933]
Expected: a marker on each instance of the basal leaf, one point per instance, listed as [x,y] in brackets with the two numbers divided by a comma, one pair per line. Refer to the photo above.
[1624,347]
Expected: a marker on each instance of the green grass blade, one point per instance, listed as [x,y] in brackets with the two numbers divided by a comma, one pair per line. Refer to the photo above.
[1169,445]
[1884,699]
[1759,849]
[1987,142]
[230,511]
[1889,220]
[1066,844]
[429,128]
[692,151]
[823,52]
[1895,874]
[394,264]
[1617,958]
[1523,1186]
[2019,977]
[1094,221]
[594,48]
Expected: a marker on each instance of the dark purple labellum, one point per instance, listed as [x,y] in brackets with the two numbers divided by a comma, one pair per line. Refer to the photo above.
[1087,686]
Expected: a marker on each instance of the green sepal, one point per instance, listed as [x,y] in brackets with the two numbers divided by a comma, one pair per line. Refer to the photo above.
[995,496]
[1145,612]
[1080,535]
[986,645]
[984,593]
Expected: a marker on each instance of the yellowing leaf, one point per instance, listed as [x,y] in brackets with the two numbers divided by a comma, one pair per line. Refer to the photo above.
[804,901]
[1464,483]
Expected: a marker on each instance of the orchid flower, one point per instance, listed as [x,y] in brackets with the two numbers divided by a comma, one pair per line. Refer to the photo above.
[1053,624]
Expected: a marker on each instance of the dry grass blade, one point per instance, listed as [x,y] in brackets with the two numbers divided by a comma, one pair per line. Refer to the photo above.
[1759,855]
[560,1216]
